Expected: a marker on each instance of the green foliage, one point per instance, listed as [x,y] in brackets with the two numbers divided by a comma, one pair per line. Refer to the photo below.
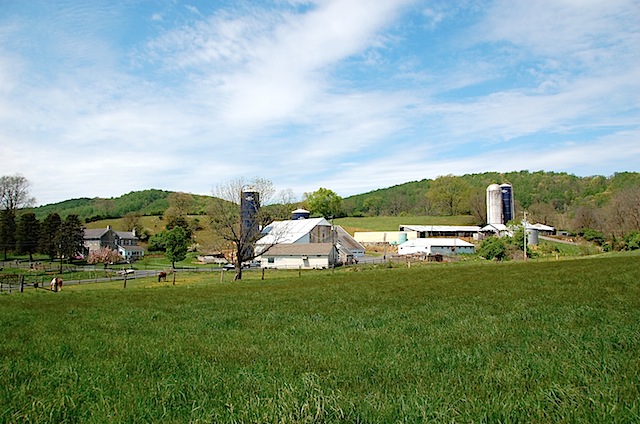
[157,243]
[593,236]
[538,342]
[49,235]
[176,244]
[145,202]
[28,234]
[493,248]
[70,238]
[323,202]
[448,194]
[632,240]
[7,231]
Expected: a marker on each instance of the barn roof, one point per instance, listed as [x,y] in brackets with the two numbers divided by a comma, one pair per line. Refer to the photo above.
[439,242]
[440,228]
[290,231]
[300,249]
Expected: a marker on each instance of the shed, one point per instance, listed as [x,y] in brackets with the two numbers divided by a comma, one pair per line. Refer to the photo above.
[432,246]
[300,255]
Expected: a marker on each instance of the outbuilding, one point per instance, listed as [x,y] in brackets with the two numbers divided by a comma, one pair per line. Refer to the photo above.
[300,256]
[432,246]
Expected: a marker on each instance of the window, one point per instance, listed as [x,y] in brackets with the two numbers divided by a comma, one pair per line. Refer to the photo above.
[271,260]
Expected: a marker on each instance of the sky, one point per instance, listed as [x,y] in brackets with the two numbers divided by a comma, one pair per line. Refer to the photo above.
[99,98]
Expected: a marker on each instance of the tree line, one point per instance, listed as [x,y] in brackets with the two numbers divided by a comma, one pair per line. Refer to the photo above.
[21,231]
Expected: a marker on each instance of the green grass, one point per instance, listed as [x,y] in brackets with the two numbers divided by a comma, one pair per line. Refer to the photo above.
[514,342]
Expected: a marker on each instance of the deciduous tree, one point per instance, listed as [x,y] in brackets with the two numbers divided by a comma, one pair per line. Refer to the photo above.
[14,193]
[323,202]
[176,244]
[104,255]
[447,193]
[226,221]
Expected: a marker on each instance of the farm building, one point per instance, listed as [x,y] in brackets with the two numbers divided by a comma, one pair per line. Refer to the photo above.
[432,246]
[427,231]
[124,242]
[300,256]
[313,230]
[389,237]
[305,231]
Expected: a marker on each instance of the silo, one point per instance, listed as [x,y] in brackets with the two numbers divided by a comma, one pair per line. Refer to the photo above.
[532,236]
[249,205]
[494,205]
[300,214]
[508,213]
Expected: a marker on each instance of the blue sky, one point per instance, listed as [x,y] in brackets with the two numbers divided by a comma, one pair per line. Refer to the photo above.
[100,98]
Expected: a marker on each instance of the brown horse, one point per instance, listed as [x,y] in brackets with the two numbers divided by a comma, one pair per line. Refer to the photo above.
[162,276]
[56,284]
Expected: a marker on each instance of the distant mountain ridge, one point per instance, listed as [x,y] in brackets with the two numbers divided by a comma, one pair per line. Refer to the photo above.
[145,202]
[558,190]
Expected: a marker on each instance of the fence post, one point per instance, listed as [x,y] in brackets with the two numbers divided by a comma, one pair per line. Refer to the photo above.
[263,274]
[22,284]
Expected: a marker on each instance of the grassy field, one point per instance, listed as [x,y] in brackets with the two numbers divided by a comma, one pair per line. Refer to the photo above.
[495,342]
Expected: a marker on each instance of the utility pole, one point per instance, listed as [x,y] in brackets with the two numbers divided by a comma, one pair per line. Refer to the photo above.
[524,226]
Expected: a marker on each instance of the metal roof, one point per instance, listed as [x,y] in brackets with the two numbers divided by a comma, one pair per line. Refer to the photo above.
[300,249]
[440,228]
[443,242]
[290,231]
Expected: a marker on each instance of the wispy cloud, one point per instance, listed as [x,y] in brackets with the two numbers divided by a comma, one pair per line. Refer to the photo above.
[350,94]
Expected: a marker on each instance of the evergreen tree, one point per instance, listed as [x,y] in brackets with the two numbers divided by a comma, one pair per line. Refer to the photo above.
[28,234]
[49,235]
[7,231]
[71,238]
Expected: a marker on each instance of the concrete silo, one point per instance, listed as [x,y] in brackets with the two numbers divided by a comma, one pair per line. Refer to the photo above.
[494,205]
[508,212]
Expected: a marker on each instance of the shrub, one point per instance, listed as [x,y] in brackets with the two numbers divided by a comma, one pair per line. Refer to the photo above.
[593,236]
[632,240]
[493,248]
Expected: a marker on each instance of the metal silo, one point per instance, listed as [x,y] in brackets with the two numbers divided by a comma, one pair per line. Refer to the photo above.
[494,205]
[249,205]
[508,213]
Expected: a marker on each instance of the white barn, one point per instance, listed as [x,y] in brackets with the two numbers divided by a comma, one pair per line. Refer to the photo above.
[432,246]
[300,256]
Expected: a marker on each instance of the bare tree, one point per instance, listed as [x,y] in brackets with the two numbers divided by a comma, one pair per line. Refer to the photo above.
[227,220]
[623,212]
[14,193]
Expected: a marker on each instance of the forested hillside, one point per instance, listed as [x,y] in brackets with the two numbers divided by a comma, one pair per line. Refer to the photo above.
[146,202]
[610,204]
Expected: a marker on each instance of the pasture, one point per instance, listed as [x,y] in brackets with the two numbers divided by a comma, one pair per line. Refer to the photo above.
[511,342]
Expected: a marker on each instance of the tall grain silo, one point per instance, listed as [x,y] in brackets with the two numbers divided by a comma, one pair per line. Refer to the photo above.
[494,205]
[249,205]
[506,192]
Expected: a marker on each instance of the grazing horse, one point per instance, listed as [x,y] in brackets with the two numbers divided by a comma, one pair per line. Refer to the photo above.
[56,284]
[162,276]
